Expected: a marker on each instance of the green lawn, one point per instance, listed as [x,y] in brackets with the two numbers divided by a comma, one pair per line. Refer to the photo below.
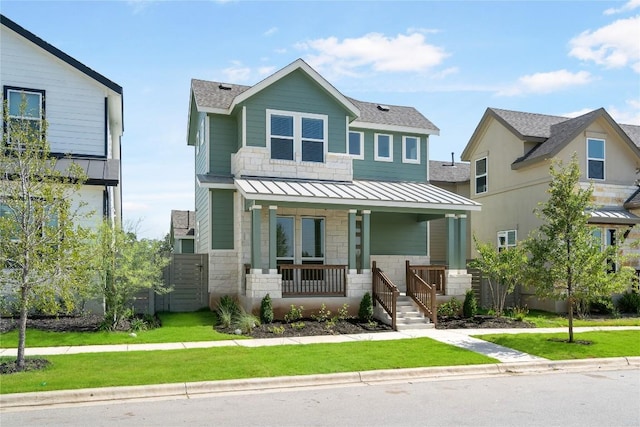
[604,344]
[176,327]
[545,319]
[158,367]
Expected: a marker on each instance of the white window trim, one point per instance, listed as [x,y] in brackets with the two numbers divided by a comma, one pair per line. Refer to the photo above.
[485,174]
[604,156]
[378,158]
[356,156]
[505,233]
[297,133]
[404,150]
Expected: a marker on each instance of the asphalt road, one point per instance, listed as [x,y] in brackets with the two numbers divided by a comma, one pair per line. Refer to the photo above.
[602,398]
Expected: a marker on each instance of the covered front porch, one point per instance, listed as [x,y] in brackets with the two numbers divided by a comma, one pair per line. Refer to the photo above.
[310,239]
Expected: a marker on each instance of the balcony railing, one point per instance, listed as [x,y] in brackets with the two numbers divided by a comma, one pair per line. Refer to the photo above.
[421,291]
[432,274]
[300,280]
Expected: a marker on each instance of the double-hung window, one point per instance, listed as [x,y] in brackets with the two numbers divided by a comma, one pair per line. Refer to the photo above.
[355,145]
[297,136]
[383,147]
[595,158]
[410,149]
[481,175]
[26,109]
[506,239]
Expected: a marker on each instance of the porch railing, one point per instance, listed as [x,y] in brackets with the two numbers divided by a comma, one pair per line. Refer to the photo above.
[432,274]
[422,292]
[385,293]
[313,280]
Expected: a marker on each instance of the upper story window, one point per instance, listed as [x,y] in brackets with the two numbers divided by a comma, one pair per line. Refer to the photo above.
[595,158]
[481,176]
[410,149]
[355,145]
[383,147]
[507,239]
[26,106]
[297,136]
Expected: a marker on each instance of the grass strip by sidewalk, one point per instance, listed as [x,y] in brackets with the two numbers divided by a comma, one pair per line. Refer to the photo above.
[603,344]
[545,319]
[158,367]
[176,327]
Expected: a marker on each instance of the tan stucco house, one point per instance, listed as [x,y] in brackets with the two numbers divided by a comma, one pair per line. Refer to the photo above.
[510,154]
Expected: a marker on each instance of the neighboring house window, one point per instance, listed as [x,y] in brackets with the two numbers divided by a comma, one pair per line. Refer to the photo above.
[410,149]
[481,175]
[383,148]
[313,240]
[606,237]
[506,239]
[297,136]
[356,144]
[25,104]
[595,158]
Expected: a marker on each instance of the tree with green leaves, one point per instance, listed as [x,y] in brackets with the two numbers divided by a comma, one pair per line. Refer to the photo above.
[504,269]
[41,244]
[125,265]
[566,260]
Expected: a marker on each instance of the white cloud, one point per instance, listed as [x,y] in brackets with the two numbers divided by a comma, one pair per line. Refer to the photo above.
[237,73]
[271,31]
[402,53]
[615,45]
[630,5]
[266,70]
[552,81]
[629,114]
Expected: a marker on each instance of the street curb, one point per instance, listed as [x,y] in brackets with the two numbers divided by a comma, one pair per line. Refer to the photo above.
[186,390]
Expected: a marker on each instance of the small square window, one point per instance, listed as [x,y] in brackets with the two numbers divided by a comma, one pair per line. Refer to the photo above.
[383,148]
[410,149]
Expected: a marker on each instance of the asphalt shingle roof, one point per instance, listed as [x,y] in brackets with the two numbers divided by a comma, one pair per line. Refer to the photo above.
[441,171]
[396,115]
[212,95]
[183,223]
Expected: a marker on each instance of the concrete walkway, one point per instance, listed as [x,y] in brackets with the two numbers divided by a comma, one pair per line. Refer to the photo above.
[459,337]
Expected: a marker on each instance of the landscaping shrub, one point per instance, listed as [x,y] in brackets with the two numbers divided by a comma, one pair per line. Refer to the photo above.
[227,310]
[294,314]
[266,310]
[246,322]
[629,302]
[323,314]
[519,313]
[365,312]
[450,308]
[470,305]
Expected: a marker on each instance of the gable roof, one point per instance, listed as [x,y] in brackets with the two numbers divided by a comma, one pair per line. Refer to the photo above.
[60,54]
[551,133]
[221,98]
[183,223]
[441,171]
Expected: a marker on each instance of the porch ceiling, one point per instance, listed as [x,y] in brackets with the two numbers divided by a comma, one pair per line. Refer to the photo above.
[613,216]
[374,194]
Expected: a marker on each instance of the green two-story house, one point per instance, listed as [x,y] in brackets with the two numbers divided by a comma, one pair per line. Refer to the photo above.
[300,189]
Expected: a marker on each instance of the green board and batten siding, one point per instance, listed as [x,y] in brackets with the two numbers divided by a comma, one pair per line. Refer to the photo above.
[398,234]
[222,227]
[223,136]
[296,93]
[201,194]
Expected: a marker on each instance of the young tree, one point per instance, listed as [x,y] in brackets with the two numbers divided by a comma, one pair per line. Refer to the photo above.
[567,262]
[41,256]
[504,270]
[125,266]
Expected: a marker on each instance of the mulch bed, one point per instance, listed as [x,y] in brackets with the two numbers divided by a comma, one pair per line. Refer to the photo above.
[481,322]
[311,327]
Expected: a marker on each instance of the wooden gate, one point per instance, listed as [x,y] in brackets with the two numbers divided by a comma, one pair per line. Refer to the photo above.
[188,276]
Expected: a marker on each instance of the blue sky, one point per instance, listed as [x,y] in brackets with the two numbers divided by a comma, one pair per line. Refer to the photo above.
[451,60]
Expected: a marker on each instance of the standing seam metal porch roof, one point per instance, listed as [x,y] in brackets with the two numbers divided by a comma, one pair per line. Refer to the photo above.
[413,195]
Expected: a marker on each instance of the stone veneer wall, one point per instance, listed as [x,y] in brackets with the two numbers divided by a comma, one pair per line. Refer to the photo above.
[256,161]
[394,267]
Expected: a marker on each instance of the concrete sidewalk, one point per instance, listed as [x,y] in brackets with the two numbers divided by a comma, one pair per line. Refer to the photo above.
[459,337]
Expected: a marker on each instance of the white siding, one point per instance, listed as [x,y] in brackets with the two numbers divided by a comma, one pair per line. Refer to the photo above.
[92,198]
[74,103]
